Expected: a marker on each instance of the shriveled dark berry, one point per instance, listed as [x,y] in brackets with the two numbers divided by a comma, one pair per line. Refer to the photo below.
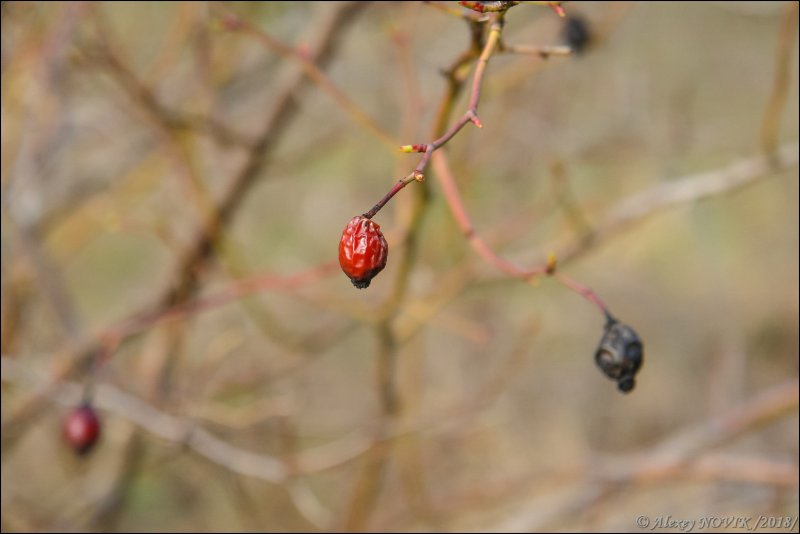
[82,428]
[620,354]
[575,33]
[363,251]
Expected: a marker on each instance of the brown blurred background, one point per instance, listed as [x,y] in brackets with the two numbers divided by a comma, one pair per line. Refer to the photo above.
[446,396]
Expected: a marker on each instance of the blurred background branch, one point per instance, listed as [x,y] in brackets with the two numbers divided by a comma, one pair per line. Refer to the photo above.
[175,178]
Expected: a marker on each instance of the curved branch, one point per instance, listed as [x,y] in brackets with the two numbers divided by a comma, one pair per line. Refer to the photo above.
[638,206]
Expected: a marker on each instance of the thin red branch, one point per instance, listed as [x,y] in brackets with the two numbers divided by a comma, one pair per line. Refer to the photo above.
[236,290]
[470,115]
[584,291]
[450,189]
[447,182]
[543,52]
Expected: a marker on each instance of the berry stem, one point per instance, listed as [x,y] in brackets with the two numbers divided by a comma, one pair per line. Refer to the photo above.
[586,292]
[401,183]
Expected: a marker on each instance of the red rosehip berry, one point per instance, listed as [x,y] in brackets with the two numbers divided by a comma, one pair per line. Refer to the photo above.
[82,428]
[362,251]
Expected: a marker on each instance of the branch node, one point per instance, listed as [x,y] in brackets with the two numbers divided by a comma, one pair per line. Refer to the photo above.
[552,262]
[558,8]
[473,118]
[408,149]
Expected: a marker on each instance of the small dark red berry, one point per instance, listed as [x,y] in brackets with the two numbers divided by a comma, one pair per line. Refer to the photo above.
[82,428]
[362,251]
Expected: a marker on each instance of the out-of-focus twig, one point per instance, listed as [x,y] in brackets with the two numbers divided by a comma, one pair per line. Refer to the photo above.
[325,34]
[369,481]
[634,208]
[107,513]
[454,11]
[234,291]
[325,37]
[48,279]
[187,432]
[496,22]
[770,123]
[755,412]
[543,52]
[565,197]
[684,454]
[190,433]
[668,459]
[639,206]
[314,73]
[448,184]
[104,343]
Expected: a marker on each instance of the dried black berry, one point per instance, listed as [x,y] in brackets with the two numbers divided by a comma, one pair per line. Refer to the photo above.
[620,354]
[575,33]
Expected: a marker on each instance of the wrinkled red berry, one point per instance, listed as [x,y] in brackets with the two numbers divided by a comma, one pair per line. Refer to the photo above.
[82,428]
[362,251]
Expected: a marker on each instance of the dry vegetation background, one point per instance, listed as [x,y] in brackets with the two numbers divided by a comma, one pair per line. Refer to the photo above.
[446,396]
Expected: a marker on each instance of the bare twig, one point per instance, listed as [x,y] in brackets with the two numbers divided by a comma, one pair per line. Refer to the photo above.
[326,32]
[188,432]
[565,197]
[314,73]
[634,208]
[676,456]
[470,115]
[460,13]
[447,182]
[770,124]
[543,52]
[692,188]
[682,455]
[234,291]
[153,112]
[48,279]
[450,189]
[369,482]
